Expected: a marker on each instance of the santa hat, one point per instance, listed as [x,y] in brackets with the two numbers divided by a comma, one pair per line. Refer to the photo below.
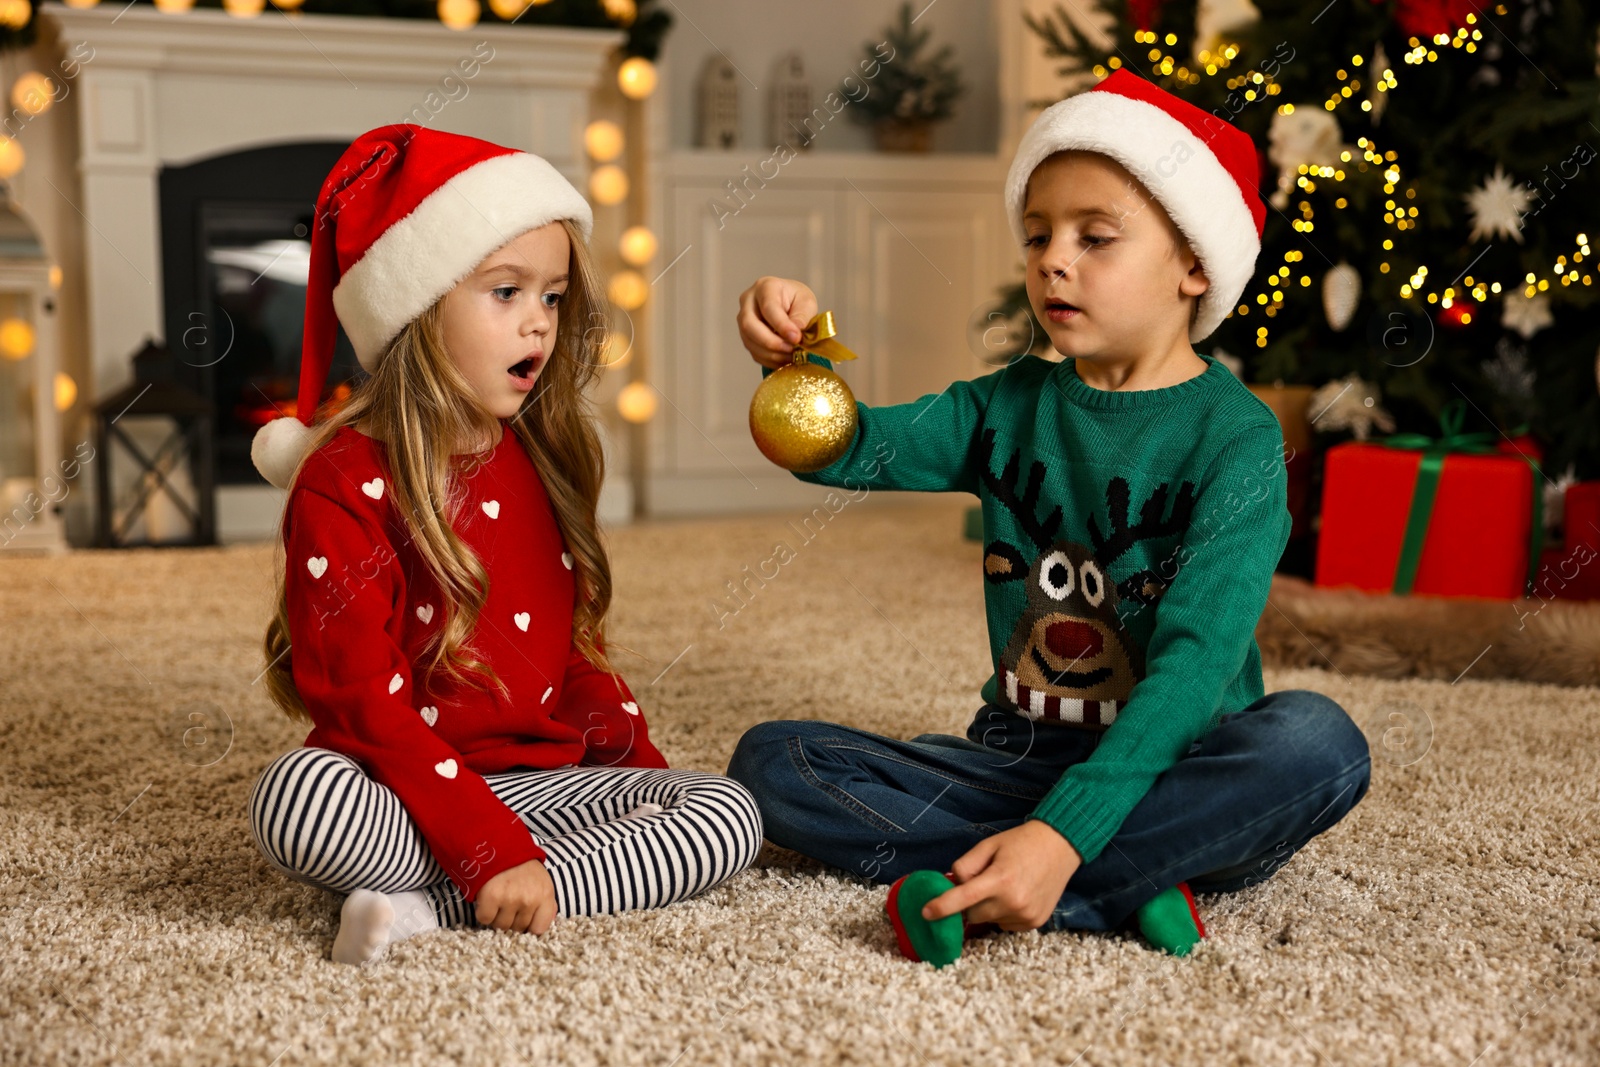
[1203,171]
[405,214]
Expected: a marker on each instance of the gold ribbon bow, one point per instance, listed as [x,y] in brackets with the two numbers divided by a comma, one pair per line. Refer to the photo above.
[818,337]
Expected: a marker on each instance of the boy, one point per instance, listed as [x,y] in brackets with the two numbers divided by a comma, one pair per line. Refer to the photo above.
[1134,511]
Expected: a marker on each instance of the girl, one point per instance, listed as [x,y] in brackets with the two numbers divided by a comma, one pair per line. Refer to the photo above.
[440,614]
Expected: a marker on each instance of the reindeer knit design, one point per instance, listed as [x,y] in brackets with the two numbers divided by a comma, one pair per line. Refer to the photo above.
[1131,539]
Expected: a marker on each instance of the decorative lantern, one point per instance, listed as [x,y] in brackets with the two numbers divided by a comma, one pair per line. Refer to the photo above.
[789,103]
[155,393]
[34,478]
[717,103]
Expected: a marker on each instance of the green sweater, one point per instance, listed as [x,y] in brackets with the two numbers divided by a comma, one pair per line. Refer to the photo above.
[1131,539]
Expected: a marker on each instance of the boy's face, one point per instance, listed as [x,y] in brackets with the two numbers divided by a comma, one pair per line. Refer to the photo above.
[500,320]
[1108,273]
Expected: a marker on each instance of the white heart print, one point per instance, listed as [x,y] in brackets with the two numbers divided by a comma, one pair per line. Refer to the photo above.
[317,565]
[395,683]
[566,560]
[425,612]
[491,508]
[447,768]
[430,714]
[630,707]
[521,618]
[374,488]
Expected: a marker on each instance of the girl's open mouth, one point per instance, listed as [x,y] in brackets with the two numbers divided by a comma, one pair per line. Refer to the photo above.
[522,374]
[1061,311]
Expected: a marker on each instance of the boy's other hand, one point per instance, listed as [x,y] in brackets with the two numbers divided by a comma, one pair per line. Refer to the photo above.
[772,312]
[1013,879]
[521,898]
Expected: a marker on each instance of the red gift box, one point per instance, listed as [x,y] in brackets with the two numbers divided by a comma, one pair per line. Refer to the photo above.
[1582,510]
[1478,533]
[1568,573]
[1572,571]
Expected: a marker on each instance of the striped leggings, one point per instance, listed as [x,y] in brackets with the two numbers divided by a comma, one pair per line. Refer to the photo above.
[319,818]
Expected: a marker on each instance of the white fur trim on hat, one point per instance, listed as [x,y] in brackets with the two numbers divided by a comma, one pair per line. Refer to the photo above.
[278,447]
[422,256]
[1198,193]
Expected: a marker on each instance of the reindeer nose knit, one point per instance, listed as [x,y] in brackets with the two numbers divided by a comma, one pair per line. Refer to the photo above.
[1071,639]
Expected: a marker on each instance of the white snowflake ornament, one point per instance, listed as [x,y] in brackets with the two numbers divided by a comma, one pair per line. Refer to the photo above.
[1234,364]
[1310,135]
[1215,20]
[1349,404]
[1555,499]
[1527,314]
[1378,99]
[1497,207]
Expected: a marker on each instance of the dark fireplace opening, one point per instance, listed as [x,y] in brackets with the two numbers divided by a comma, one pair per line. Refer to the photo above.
[235,245]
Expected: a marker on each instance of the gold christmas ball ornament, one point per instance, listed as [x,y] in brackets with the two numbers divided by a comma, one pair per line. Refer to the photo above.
[803,416]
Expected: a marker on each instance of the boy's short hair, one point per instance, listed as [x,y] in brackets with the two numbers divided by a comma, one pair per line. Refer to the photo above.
[1202,171]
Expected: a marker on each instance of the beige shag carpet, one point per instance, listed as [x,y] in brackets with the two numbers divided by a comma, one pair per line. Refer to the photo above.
[1452,918]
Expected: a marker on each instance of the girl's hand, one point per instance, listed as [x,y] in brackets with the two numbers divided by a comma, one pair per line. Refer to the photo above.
[1014,878]
[518,898]
[772,312]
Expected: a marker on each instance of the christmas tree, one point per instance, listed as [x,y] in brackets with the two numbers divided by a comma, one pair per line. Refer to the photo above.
[1430,171]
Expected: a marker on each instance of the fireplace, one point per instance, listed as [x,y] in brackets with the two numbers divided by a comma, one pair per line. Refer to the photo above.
[200,142]
[235,247]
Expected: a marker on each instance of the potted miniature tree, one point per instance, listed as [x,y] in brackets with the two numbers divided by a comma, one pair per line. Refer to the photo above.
[912,90]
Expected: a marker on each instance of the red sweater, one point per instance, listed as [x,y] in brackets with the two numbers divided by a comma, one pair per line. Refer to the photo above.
[362,603]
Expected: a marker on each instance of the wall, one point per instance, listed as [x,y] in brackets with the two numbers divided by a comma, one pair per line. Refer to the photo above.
[755,33]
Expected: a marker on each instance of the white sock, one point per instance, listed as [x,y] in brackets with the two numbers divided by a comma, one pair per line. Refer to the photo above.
[370,921]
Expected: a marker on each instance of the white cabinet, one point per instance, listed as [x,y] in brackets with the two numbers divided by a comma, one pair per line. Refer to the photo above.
[904,251]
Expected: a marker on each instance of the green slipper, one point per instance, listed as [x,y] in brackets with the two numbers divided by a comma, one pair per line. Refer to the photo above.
[937,942]
[1171,922]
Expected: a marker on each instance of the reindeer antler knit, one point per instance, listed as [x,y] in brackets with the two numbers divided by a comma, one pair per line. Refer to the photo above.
[1130,541]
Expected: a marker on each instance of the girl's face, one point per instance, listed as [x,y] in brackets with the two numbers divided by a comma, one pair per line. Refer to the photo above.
[500,320]
[1108,275]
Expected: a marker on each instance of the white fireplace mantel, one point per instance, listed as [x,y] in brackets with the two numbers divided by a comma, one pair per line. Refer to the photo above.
[160,90]
[173,89]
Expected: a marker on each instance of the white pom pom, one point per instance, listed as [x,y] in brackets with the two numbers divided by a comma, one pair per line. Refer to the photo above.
[278,447]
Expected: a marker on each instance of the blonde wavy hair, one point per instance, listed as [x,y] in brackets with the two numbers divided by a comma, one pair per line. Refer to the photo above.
[418,403]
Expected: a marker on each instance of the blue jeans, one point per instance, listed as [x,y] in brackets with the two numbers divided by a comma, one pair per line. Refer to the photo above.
[1244,798]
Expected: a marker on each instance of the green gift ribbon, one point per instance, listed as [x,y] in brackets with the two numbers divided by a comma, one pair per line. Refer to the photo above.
[1434,450]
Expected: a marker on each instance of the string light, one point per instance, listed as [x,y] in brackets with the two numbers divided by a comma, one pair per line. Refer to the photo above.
[636,77]
[459,14]
[1168,65]
[1402,216]
[603,140]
